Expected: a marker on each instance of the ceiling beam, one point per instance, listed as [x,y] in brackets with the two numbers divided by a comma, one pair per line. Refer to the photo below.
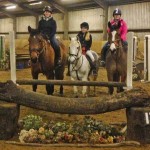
[101,3]
[125,2]
[24,7]
[57,6]
[78,5]
[7,13]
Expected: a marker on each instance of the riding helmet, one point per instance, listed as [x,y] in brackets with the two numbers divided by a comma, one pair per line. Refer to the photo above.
[117,12]
[47,8]
[84,25]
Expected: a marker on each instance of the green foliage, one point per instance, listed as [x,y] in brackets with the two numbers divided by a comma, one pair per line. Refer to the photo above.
[87,130]
[32,122]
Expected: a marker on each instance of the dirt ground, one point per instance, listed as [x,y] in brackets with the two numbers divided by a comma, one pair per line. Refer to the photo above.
[111,117]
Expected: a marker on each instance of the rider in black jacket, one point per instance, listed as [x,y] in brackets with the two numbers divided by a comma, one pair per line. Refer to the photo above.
[47,26]
[85,39]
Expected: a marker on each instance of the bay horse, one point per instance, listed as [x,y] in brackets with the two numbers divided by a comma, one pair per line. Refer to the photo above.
[116,58]
[42,57]
[80,68]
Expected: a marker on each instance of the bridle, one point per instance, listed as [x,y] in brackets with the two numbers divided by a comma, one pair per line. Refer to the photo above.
[38,51]
[116,42]
[76,59]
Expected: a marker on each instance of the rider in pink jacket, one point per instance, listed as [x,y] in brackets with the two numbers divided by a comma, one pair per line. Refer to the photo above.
[123,32]
[123,29]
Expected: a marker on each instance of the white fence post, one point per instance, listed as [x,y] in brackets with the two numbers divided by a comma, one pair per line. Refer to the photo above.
[146,57]
[12,56]
[135,46]
[130,59]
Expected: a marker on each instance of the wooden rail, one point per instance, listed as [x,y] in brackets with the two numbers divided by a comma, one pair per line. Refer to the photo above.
[70,83]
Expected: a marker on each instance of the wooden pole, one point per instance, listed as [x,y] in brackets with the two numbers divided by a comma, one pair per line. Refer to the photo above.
[70,83]
[10,92]
[105,22]
[12,56]
[66,25]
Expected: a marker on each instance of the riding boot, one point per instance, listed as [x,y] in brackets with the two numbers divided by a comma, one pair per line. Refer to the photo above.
[56,47]
[103,54]
[92,62]
[125,45]
[93,66]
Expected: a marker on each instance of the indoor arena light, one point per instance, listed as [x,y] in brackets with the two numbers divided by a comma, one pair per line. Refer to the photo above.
[11,7]
[36,3]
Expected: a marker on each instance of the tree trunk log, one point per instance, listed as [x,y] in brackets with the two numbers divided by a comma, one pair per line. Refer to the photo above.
[139,129]
[9,114]
[12,93]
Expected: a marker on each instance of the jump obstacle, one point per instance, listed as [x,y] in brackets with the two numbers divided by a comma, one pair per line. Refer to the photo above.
[143,113]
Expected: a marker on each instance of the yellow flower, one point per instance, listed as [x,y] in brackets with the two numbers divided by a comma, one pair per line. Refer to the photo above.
[41,130]
[110,139]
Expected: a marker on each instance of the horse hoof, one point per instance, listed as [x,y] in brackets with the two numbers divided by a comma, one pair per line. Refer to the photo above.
[120,90]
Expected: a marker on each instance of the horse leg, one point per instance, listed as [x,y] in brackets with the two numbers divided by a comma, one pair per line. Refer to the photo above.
[50,87]
[61,90]
[123,79]
[117,79]
[110,78]
[75,89]
[59,75]
[34,86]
[84,90]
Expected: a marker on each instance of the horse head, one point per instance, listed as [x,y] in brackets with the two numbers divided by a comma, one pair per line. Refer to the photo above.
[75,50]
[36,44]
[114,36]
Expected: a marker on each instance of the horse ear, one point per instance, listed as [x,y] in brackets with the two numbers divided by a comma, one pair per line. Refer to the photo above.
[109,25]
[29,29]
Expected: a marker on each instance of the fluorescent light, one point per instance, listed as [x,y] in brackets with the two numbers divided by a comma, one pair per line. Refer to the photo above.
[11,7]
[36,3]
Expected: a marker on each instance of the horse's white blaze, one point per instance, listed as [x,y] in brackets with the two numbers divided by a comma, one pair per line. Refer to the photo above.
[112,46]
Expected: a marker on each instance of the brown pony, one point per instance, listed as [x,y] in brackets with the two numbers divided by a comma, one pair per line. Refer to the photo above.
[116,59]
[43,59]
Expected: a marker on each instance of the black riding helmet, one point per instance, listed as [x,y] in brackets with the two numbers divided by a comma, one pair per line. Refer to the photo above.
[117,12]
[84,25]
[47,8]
